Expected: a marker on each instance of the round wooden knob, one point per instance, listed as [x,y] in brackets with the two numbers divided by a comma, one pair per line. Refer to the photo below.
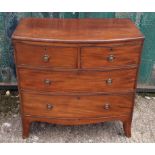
[107,106]
[110,58]
[47,82]
[109,81]
[49,106]
[46,58]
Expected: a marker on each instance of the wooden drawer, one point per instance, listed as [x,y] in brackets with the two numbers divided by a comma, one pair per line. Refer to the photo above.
[78,81]
[110,56]
[40,56]
[76,106]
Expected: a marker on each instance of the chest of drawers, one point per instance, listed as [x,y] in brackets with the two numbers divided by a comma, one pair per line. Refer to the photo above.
[77,71]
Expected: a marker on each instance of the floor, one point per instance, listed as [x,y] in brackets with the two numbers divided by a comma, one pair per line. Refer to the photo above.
[143,128]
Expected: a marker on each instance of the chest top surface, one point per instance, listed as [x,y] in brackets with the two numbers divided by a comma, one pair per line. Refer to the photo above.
[76,30]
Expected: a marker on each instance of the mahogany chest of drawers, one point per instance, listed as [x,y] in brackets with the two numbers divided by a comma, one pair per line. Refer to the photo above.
[77,71]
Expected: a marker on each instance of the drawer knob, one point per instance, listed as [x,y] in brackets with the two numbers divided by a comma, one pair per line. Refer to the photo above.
[47,82]
[109,81]
[49,106]
[45,58]
[107,106]
[110,58]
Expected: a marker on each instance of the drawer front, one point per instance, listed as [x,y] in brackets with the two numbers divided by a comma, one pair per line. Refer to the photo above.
[40,56]
[117,56]
[78,81]
[76,106]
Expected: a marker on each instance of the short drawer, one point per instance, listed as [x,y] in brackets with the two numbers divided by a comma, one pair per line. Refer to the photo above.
[110,56]
[77,106]
[46,56]
[78,81]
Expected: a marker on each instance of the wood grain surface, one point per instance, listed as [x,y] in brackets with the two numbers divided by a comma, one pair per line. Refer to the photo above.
[99,57]
[57,57]
[76,30]
[77,106]
[77,71]
[78,81]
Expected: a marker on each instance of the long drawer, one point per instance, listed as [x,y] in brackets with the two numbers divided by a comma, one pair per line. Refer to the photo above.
[110,56]
[46,56]
[76,106]
[78,81]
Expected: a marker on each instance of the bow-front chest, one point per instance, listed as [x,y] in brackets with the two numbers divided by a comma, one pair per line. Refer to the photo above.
[77,71]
